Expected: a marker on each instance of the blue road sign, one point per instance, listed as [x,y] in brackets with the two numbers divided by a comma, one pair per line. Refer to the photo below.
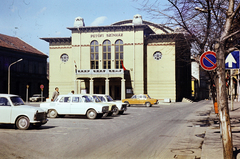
[208,60]
[232,60]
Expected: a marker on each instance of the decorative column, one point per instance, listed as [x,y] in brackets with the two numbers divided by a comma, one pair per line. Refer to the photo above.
[91,86]
[107,86]
[123,88]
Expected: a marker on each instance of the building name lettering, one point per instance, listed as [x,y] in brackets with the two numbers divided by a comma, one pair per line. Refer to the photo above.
[107,35]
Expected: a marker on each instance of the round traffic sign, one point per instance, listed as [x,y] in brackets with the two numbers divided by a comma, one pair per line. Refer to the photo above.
[208,60]
[41,86]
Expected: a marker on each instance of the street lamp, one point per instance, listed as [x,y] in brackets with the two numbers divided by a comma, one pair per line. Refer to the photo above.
[9,73]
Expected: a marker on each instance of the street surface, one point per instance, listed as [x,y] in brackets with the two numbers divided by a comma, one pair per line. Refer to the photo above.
[161,132]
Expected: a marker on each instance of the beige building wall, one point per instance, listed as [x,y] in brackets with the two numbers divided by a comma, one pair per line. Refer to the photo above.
[161,73]
[61,74]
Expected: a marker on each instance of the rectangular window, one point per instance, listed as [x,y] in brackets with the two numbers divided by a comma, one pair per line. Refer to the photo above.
[117,48]
[92,48]
[121,48]
[109,64]
[96,64]
[104,49]
[104,64]
[121,55]
[96,56]
[92,65]
[109,56]
[104,56]
[117,64]
[92,56]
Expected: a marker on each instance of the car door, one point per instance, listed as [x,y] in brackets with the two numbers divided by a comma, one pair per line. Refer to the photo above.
[133,100]
[63,105]
[5,110]
[142,99]
[77,106]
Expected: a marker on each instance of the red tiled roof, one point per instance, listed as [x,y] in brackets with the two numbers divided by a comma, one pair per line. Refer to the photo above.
[17,44]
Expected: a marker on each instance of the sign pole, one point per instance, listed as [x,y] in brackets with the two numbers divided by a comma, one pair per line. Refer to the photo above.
[238,91]
[41,86]
[231,75]
[27,94]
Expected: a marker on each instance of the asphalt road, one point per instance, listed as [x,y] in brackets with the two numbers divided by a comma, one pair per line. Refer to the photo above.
[163,131]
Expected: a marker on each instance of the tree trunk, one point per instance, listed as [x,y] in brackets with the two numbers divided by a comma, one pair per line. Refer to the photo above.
[223,106]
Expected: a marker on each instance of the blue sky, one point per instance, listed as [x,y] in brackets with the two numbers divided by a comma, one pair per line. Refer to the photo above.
[30,20]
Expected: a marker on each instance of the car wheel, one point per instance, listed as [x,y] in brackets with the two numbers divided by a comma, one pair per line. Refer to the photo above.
[115,111]
[91,114]
[110,114]
[52,113]
[128,105]
[22,123]
[147,104]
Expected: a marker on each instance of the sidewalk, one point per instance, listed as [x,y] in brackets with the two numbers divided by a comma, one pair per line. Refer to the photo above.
[212,146]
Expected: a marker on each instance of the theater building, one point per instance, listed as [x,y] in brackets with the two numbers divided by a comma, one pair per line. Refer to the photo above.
[125,58]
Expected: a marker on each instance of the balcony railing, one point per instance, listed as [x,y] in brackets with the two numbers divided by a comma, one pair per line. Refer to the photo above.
[99,71]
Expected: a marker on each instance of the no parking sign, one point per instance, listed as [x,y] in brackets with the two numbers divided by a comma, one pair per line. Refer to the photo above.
[208,60]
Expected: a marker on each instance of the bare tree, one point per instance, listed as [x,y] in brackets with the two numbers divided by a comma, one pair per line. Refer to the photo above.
[211,25]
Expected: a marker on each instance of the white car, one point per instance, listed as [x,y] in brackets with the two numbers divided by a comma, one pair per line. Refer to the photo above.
[14,111]
[121,107]
[75,104]
[112,107]
[36,98]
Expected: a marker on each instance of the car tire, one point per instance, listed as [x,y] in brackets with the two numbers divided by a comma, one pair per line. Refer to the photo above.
[116,111]
[147,104]
[128,105]
[91,114]
[52,113]
[23,123]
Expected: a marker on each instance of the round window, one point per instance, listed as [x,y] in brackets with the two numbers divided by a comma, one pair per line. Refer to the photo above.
[64,57]
[157,55]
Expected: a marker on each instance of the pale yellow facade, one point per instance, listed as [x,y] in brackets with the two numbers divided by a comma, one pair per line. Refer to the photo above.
[145,63]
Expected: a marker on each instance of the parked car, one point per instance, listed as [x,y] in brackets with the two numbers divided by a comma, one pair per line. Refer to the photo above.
[141,99]
[14,111]
[121,107]
[36,98]
[112,107]
[75,104]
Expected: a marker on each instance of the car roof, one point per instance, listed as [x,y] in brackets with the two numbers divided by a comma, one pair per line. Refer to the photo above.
[7,95]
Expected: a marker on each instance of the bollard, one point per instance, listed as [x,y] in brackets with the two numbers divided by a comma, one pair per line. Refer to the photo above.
[216,107]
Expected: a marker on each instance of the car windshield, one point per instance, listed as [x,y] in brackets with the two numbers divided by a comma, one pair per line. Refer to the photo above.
[17,101]
[149,96]
[86,99]
[109,98]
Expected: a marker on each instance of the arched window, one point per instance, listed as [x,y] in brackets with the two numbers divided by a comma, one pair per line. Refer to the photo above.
[94,54]
[106,54]
[119,54]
